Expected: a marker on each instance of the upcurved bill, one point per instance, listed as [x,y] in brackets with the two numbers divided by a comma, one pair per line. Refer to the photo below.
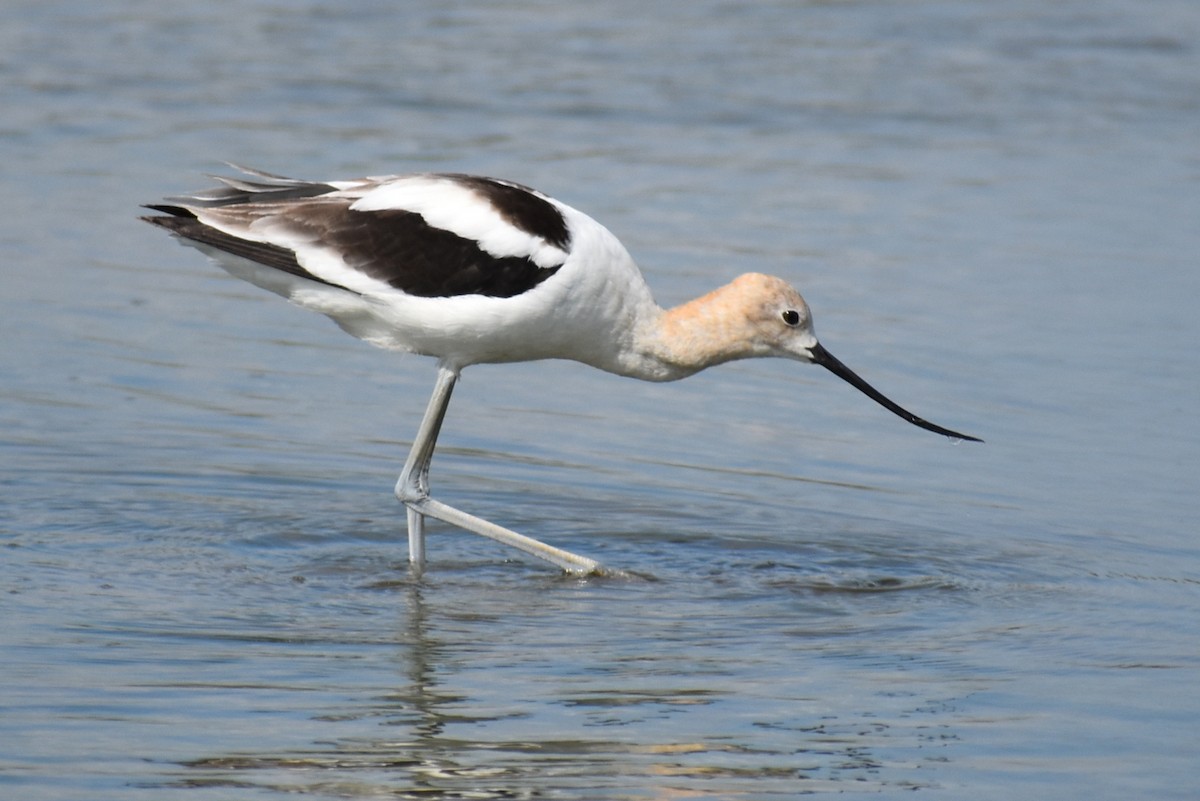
[829,362]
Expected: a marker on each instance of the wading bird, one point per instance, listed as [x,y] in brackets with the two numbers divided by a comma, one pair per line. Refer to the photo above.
[475,270]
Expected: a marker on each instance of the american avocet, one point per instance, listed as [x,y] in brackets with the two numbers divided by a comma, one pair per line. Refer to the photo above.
[476,270]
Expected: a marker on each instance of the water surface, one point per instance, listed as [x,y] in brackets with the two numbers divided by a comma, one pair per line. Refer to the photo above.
[991,209]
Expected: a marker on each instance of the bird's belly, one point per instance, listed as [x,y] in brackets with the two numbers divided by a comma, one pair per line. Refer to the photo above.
[472,329]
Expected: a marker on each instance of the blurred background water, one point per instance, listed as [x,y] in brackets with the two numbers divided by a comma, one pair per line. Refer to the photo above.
[993,210]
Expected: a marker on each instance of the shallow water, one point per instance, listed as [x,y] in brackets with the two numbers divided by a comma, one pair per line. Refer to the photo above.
[991,209]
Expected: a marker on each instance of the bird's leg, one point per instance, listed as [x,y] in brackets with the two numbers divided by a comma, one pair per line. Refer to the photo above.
[413,490]
[413,485]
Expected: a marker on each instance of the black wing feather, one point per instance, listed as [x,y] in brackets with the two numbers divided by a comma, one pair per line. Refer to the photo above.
[399,248]
[185,224]
[391,245]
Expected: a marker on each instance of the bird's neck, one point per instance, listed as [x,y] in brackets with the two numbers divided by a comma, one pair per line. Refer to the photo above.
[685,339]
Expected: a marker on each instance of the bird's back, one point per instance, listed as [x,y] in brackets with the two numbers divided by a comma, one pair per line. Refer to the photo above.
[463,268]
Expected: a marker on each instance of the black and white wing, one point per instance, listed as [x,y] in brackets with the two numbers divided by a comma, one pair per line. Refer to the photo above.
[427,235]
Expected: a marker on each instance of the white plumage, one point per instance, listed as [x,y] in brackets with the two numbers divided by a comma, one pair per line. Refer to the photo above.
[472,270]
[447,204]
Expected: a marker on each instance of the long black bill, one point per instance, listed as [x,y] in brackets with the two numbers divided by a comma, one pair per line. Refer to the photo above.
[826,359]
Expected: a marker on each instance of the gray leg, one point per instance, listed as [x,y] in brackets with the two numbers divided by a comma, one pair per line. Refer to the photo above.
[413,485]
[413,490]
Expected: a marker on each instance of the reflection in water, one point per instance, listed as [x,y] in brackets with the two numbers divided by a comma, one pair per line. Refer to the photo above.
[992,202]
[661,730]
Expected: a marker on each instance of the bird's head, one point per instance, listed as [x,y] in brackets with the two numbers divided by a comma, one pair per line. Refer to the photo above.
[780,324]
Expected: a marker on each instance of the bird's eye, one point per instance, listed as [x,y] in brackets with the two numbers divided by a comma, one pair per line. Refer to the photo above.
[791,317]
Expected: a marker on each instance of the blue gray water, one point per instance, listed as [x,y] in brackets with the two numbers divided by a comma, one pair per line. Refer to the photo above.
[994,211]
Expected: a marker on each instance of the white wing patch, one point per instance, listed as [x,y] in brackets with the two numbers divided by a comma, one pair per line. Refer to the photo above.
[446,204]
